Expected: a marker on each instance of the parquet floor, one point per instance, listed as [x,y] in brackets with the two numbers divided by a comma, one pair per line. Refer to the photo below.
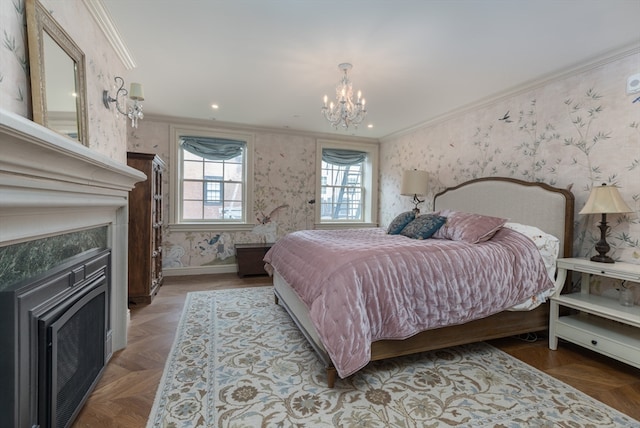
[125,393]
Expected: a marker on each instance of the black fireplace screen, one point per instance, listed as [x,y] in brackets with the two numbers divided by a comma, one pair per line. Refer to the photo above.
[74,340]
[55,329]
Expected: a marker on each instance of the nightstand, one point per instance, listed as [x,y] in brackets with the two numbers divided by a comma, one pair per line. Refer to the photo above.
[601,324]
[249,258]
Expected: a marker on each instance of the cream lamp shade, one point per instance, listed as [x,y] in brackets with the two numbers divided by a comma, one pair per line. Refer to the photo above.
[136,92]
[605,200]
[414,182]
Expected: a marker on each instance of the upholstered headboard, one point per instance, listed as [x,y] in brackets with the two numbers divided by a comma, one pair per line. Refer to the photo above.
[535,204]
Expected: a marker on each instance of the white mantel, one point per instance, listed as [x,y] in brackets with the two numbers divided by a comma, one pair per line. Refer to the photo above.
[51,185]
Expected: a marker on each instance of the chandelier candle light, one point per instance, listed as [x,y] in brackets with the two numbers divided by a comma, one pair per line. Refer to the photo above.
[134,93]
[345,111]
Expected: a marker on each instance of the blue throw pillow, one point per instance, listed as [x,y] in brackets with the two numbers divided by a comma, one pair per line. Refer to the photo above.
[423,226]
[400,222]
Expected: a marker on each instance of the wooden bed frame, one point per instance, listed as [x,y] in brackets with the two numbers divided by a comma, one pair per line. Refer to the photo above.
[536,204]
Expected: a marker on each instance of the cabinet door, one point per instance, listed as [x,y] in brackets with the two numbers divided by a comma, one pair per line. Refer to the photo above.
[145,229]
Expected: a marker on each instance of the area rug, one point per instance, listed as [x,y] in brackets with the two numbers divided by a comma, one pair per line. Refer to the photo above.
[239,361]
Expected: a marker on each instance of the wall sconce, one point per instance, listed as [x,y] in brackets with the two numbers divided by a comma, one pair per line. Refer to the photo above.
[134,93]
[604,200]
[415,183]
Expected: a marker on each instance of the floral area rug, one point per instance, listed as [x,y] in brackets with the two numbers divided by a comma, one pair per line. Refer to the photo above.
[238,360]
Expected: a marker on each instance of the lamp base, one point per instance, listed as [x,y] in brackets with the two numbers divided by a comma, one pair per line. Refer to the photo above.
[416,201]
[602,247]
[602,259]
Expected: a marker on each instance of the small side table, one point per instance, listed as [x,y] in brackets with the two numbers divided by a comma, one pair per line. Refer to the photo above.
[249,258]
[600,323]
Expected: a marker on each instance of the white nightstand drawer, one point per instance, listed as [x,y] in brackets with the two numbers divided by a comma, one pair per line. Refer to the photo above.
[601,335]
[625,271]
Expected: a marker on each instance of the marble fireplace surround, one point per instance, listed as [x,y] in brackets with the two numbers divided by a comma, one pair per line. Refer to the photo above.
[50,185]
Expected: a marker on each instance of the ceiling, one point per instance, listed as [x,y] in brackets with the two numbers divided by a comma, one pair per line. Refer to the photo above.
[269,63]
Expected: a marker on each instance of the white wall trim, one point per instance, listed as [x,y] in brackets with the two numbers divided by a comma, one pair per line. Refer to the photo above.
[102,17]
[200,270]
[243,127]
[582,67]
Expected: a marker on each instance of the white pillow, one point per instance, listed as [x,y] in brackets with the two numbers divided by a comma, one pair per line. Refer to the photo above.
[548,245]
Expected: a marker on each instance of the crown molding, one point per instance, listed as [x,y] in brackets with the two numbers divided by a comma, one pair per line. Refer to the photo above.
[581,67]
[215,124]
[102,17]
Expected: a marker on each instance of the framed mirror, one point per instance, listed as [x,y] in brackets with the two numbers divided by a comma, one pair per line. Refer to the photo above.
[58,75]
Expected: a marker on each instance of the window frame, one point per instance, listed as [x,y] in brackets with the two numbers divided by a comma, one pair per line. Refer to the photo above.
[369,184]
[175,181]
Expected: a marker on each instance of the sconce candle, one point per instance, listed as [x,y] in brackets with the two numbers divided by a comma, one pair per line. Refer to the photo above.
[134,93]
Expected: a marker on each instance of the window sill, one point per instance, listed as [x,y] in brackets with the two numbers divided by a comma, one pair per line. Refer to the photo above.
[211,227]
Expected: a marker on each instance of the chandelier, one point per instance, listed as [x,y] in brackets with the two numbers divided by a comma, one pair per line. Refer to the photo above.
[345,111]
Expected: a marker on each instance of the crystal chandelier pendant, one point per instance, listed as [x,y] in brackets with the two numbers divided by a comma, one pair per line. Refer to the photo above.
[345,111]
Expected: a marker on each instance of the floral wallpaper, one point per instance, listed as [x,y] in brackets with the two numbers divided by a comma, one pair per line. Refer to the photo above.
[576,132]
[15,92]
[284,184]
[107,129]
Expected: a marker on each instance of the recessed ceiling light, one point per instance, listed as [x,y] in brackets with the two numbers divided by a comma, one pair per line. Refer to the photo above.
[215,106]
[370,125]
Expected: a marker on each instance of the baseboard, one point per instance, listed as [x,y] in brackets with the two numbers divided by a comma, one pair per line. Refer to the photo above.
[200,270]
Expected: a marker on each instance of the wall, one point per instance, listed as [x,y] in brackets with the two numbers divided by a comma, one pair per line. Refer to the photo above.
[284,174]
[107,131]
[577,131]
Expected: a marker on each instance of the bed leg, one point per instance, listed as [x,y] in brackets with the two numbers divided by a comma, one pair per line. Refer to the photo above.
[331,376]
[275,298]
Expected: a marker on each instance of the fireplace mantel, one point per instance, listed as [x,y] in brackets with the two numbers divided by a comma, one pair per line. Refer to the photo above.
[50,185]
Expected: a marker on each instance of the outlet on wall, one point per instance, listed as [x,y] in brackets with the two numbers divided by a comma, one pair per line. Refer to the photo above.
[633,84]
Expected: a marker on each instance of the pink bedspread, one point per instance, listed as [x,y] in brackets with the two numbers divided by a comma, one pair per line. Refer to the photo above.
[362,285]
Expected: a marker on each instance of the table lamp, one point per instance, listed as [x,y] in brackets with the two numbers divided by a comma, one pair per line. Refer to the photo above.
[604,200]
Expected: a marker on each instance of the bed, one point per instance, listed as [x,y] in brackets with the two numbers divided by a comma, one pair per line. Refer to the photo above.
[534,205]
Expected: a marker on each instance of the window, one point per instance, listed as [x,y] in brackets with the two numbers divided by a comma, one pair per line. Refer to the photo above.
[347,185]
[213,190]
[210,179]
[341,191]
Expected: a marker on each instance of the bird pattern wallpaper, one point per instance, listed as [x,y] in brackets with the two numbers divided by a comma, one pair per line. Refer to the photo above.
[574,132]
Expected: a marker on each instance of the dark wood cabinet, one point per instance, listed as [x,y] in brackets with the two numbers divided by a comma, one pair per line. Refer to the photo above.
[249,258]
[145,228]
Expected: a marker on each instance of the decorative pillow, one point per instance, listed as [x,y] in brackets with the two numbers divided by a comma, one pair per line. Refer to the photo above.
[400,222]
[469,227]
[424,226]
[548,245]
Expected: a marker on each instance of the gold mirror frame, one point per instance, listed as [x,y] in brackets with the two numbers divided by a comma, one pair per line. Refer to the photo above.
[40,23]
